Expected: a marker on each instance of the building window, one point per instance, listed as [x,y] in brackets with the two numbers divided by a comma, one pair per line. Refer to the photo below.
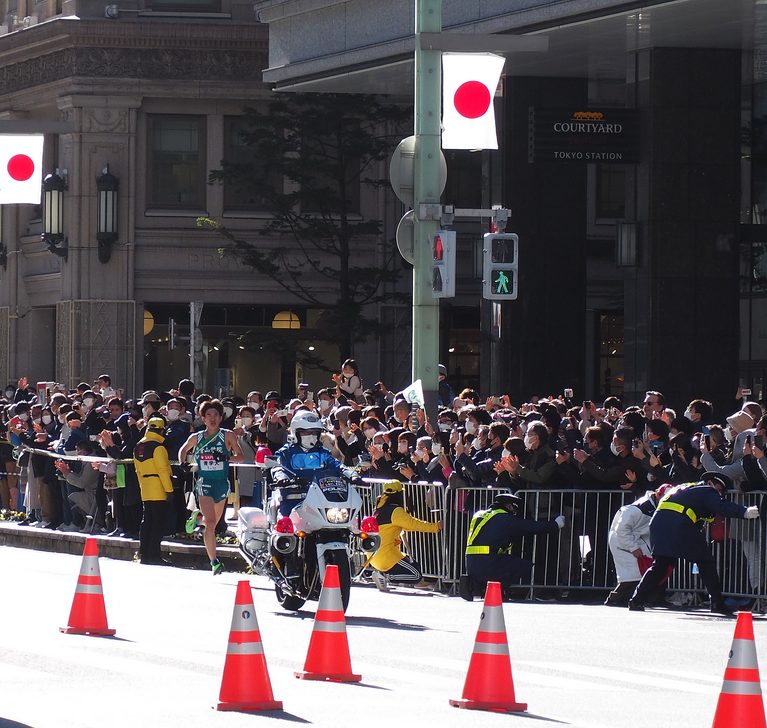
[611,192]
[177,166]
[611,354]
[244,166]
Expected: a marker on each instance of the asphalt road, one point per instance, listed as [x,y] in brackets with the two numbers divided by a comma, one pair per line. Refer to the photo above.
[586,666]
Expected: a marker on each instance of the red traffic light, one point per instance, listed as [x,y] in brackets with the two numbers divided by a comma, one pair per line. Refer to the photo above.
[439,251]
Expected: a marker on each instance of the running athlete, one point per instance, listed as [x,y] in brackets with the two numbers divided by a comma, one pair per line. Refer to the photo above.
[213,449]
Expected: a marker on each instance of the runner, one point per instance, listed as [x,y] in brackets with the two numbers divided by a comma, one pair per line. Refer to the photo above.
[213,449]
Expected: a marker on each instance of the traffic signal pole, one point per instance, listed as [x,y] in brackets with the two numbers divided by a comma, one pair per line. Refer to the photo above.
[428,91]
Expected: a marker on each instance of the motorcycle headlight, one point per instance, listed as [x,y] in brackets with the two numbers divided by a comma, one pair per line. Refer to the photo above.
[337,515]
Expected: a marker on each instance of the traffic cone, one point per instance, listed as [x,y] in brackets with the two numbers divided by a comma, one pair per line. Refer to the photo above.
[740,702]
[89,614]
[328,656]
[489,685]
[245,685]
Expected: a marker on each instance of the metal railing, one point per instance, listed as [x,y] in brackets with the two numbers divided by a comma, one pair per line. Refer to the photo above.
[578,557]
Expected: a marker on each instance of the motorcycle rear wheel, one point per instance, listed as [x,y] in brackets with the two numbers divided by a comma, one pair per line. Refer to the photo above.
[288,601]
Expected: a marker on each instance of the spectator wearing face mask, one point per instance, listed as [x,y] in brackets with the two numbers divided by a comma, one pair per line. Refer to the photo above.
[349,381]
[176,433]
[150,404]
[230,410]
[246,430]
[93,422]
[255,400]
[325,403]
[480,469]
[272,423]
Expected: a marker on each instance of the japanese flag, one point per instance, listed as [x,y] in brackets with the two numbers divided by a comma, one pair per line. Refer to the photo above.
[21,165]
[468,87]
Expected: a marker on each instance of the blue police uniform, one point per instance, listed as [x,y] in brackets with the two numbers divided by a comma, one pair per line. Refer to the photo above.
[493,550]
[676,532]
[295,462]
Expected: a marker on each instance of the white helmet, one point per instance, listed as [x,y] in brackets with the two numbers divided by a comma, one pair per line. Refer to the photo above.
[305,420]
[306,428]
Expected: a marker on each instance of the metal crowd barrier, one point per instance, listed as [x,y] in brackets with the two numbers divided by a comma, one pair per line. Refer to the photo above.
[578,556]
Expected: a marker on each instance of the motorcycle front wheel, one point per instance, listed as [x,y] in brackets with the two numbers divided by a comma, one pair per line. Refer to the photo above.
[288,601]
[340,558]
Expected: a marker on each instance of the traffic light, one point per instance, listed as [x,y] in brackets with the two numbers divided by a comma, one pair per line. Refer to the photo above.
[443,267]
[500,268]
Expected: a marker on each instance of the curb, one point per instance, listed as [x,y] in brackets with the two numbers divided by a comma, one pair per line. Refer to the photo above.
[189,555]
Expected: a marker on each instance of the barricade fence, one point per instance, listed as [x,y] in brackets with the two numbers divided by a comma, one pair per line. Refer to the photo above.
[576,558]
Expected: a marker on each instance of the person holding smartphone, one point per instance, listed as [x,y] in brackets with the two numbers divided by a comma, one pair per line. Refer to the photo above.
[272,423]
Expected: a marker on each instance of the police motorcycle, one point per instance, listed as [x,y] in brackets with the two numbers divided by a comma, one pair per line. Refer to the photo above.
[323,527]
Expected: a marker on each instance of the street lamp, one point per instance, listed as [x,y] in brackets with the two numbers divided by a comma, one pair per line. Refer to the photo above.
[53,214]
[106,224]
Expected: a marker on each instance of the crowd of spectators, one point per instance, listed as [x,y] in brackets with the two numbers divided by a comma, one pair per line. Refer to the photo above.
[540,445]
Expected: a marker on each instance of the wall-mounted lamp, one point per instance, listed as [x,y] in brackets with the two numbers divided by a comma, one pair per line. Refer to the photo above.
[53,214]
[626,233]
[106,224]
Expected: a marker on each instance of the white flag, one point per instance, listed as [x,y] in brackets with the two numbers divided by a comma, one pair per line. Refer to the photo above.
[21,168]
[414,393]
[469,81]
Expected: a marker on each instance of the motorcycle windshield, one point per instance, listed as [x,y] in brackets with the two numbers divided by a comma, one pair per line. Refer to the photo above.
[335,490]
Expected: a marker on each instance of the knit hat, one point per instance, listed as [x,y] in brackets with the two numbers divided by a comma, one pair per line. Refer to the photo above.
[740,421]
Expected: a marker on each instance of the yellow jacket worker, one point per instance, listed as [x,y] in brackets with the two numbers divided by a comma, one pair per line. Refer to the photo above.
[390,564]
[150,459]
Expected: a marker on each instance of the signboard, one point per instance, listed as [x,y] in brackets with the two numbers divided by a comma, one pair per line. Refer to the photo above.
[583,135]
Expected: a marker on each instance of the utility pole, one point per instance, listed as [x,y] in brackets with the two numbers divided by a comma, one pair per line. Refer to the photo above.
[428,102]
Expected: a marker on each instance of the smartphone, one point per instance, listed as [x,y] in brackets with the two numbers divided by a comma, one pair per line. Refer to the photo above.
[759,442]
[745,392]
[587,404]
[310,396]
[497,400]
[707,440]
[749,439]
[568,393]
[237,422]
[283,413]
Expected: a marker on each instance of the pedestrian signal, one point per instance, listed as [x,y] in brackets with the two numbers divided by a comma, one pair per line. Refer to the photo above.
[443,267]
[500,268]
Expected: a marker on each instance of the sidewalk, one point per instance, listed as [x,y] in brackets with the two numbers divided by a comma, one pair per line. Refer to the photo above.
[183,553]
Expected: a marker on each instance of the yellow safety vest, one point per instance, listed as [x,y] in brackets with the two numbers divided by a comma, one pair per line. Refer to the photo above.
[689,512]
[477,523]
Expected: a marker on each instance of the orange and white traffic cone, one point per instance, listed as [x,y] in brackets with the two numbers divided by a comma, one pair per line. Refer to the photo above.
[245,686]
[489,685]
[740,701]
[89,614]
[328,656]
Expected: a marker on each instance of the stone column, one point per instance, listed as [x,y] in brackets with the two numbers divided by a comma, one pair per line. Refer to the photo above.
[681,302]
[96,318]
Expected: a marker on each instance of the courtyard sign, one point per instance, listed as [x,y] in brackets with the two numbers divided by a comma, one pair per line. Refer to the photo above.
[583,135]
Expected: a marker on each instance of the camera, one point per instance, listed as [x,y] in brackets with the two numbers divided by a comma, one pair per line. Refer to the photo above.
[568,393]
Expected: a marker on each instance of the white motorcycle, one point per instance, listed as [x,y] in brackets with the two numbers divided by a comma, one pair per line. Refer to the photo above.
[293,551]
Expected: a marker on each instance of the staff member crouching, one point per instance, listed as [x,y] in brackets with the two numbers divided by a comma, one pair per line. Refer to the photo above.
[629,543]
[495,537]
[389,563]
[676,533]
[155,478]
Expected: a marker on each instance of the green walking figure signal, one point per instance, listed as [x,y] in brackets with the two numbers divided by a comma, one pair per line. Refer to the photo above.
[500,269]
[502,283]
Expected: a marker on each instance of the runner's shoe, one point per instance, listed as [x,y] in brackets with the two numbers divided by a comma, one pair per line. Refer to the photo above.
[217,567]
[191,522]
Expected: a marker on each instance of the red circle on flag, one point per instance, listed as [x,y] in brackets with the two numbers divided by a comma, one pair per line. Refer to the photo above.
[20,167]
[472,99]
